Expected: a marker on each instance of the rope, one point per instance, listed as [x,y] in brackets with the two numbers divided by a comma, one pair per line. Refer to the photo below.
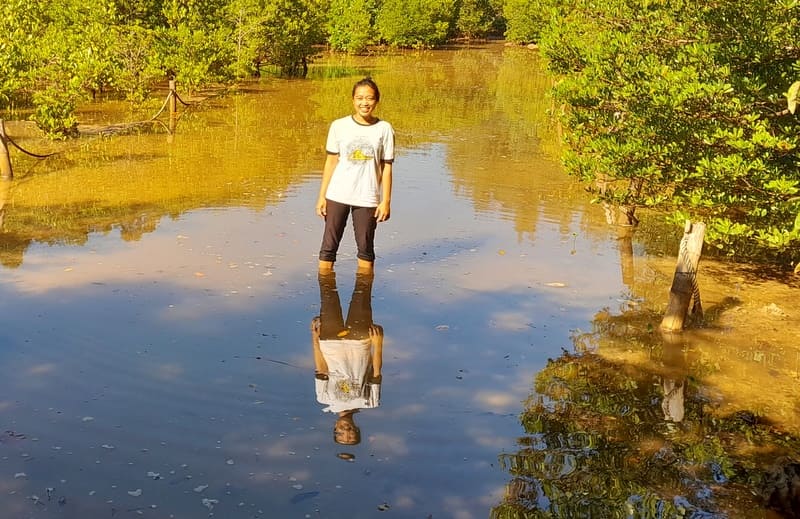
[164,105]
[184,103]
[26,152]
[113,128]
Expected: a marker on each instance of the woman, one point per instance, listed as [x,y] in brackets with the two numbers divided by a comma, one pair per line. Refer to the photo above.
[357,178]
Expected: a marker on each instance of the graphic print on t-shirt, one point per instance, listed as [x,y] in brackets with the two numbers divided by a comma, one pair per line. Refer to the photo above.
[360,151]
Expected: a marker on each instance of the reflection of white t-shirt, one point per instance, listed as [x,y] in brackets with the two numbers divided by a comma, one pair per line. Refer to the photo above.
[349,369]
[361,149]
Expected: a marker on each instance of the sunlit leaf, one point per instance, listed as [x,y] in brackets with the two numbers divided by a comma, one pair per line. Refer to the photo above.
[791,96]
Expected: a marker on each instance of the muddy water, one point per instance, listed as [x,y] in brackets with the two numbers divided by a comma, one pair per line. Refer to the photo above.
[158,290]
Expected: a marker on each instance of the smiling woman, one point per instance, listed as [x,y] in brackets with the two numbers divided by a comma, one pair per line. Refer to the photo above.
[357,177]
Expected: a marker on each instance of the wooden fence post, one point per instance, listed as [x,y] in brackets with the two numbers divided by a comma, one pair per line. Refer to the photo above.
[6,172]
[173,99]
[684,283]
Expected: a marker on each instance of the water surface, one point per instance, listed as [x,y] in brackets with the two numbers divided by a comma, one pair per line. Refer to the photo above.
[158,290]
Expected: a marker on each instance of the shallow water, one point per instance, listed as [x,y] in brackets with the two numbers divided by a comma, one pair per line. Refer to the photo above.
[158,290]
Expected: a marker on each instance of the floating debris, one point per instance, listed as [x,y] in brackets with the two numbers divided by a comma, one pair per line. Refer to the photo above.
[209,503]
[135,493]
[383,507]
[200,488]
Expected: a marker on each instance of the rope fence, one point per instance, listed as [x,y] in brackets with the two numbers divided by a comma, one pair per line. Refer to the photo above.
[172,99]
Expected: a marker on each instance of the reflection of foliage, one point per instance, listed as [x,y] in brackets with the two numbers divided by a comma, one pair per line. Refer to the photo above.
[596,445]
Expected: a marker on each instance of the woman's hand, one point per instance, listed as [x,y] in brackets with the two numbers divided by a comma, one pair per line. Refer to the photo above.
[322,207]
[382,212]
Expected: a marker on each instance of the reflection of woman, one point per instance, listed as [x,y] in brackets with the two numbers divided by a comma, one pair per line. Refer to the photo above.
[347,354]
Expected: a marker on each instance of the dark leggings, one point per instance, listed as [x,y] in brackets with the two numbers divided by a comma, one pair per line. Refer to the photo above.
[364,224]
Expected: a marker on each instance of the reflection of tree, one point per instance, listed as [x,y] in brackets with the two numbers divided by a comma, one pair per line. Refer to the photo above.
[602,438]
[12,249]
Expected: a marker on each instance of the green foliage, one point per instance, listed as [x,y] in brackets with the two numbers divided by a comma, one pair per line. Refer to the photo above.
[55,113]
[415,23]
[681,106]
[292,28]
[246,19]
[525,19]
[351,24]
[66,52]
[194,46]
[475,18]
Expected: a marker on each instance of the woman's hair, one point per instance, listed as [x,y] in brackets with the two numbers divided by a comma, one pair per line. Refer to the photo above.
[367,81]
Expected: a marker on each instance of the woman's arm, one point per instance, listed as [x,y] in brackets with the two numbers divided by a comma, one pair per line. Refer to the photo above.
[384,211]
[327,172]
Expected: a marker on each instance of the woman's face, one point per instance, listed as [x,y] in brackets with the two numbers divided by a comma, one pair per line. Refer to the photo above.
[364,103]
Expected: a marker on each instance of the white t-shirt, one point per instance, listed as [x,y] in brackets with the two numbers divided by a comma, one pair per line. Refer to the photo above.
[349,369]
[361,149]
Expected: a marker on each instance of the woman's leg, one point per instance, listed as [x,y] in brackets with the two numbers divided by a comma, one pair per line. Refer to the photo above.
[335,222]
[364,224]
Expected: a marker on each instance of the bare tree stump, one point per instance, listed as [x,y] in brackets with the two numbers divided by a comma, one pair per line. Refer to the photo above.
[684,283]
[6,172]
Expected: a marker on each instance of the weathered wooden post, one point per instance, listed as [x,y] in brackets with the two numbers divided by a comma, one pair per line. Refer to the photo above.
[6,172]
[173,99]
[684,283]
